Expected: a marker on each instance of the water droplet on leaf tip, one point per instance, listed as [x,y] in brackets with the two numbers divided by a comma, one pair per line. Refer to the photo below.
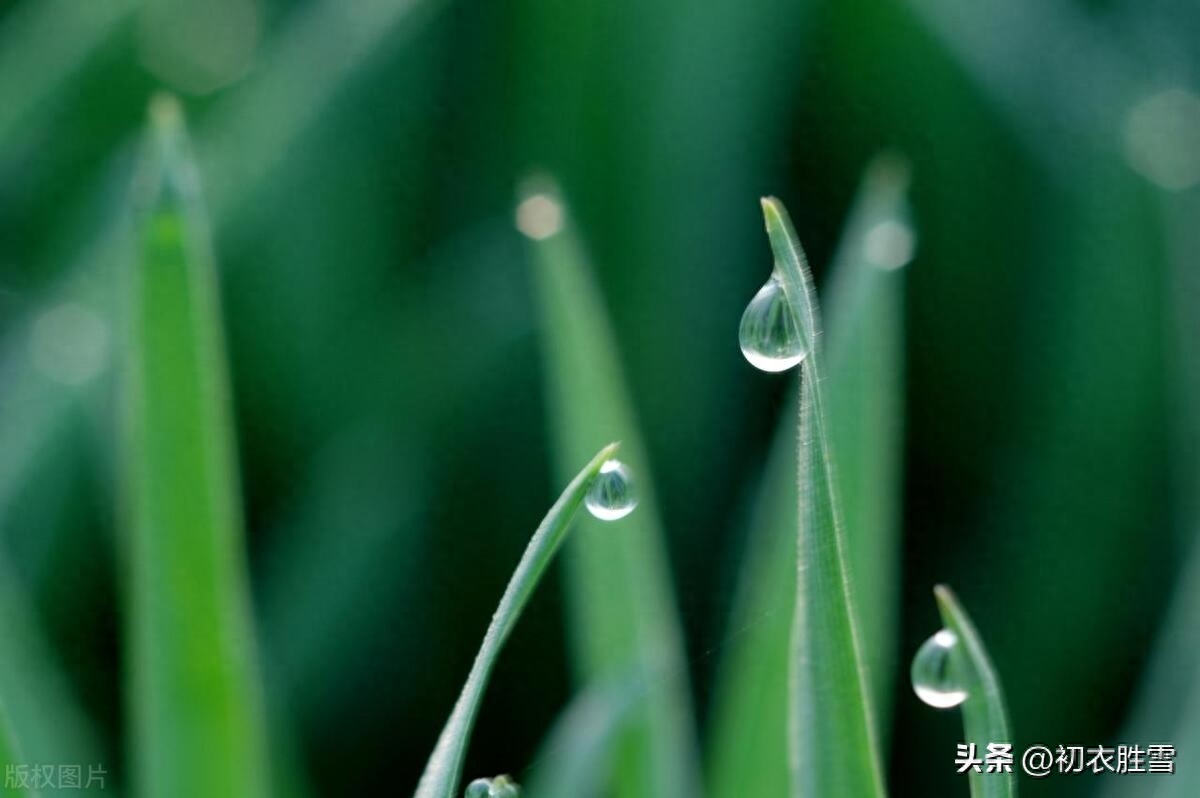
[612,494]
[936,676]
[769,334]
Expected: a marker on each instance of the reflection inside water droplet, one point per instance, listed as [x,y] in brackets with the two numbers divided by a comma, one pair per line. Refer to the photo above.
[611,495]
[936,672]
[769,334]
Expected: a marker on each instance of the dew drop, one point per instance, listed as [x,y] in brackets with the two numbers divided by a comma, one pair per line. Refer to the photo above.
[499,787]
[504,787]
[935,672]
[611,495]
[769,335]
[480,788]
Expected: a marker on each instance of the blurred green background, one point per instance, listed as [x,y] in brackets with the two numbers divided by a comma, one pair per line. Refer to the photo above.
[360,161]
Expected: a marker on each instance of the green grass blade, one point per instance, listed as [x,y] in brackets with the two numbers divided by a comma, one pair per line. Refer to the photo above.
[41,712]
[196,707]
[1167,703]
[444,770]
[833,750]
[865,386]
[748,750]
[985,716]
[44,44]
[577,754]
[621,610]
[748,746]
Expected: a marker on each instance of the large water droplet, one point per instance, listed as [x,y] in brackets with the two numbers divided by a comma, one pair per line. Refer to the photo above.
[935,672]
[612,495]
[769,335]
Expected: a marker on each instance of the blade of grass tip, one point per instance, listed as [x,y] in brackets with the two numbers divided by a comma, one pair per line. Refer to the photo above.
[865,386]
[748,746]
[985,715]
[444,770]
[576,756]
[196,704]
[833,748]
[621,608]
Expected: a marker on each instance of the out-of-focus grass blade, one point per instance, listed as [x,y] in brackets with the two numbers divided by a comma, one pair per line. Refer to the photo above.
[10,758]
[43,43]
[38,706]
[577,754]
[444,770]
[985,716]
[748,750]
[198,726]
[622,614]
[748,745]
[1167,706]
[833,750]
[865,386]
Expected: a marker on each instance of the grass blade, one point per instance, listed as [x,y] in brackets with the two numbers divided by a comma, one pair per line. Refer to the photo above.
[197,713]
[833,750]
[1167,703]
[985,716]
[578,752]
[621,608]
[748,748]
[444,770]
[865,386]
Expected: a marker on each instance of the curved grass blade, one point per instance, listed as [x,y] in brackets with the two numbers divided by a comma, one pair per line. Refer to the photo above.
[832,744]
[621,608]
[444,770]
[985,716]
[196,708]
[748,749]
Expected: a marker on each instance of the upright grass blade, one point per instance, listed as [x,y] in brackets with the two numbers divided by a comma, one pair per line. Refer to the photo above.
[196,707]
[622,614]
[748,747]
[39,710]
[9,757]
[1166,707]
[444,770]
[577,754]
[985,717]
[865,386]
[833,749]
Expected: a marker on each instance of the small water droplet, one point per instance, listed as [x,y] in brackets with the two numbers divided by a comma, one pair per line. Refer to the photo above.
[505,787]
[611,495]
[480,788]
[935,672]
[499,787]
[769,335]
